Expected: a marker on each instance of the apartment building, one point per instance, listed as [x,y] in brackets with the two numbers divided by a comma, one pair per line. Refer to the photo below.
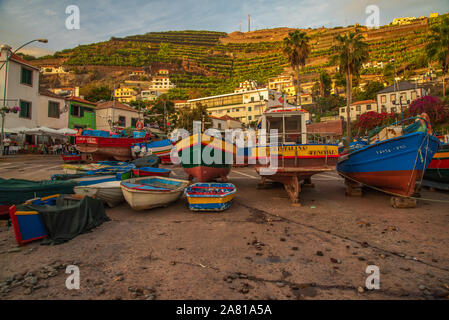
[245,107]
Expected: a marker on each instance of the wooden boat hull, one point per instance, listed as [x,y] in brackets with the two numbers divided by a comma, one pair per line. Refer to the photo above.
[193,150]
[210,201]
[149,199]
[71,158]
[207,173]
[110,192]
[101,148]
[393,165]
[151,172]
[437,173]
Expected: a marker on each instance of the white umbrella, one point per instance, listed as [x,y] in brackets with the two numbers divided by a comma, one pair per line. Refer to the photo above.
[15,130]
[66,131]
[42,131]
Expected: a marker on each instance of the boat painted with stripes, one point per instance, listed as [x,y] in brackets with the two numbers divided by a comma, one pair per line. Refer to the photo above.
[210,196]
[392,165]
[294,158]
[437,173]
[206,157]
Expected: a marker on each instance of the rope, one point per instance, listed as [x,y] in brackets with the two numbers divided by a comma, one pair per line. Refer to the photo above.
[391,193]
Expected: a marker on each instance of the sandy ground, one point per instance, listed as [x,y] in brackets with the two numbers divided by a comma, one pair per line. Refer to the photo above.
[261,248]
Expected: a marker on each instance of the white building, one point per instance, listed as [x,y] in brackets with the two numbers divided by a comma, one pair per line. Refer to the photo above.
[149,95]
[22,85]
[53,70]
[390,98]
[161,83]
[110,112]
[358,108]
[53,111]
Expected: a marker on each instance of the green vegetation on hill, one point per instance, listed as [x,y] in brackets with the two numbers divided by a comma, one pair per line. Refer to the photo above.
[215,68]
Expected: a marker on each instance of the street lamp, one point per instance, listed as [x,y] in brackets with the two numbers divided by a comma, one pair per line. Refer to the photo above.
[2,112]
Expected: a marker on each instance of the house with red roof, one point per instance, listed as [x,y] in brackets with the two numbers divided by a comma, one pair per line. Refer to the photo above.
[358,108]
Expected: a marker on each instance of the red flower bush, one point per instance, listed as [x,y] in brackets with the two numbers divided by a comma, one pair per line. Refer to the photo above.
[436,109]
[372,119]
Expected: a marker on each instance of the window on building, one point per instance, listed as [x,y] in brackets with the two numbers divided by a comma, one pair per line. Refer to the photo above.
[25,109]
[122,121]
[134,122]
[393,97]
[414,95]
[383,99]
[343,110]
[358,108]
[249,109]
[77,111]
[53,109]
[250,117]
[26,76]
[368,107]
[404,96]
[252,99]
[393,109]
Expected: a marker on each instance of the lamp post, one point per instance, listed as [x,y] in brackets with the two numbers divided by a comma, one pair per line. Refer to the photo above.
[8,55]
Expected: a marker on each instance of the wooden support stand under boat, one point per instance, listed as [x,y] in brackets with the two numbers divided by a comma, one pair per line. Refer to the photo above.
[353,189]
[402,202]
[295,158]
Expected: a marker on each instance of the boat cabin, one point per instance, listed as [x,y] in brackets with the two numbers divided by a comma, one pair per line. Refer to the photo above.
[290,124]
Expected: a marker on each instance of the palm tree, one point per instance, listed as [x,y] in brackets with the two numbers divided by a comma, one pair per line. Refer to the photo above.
[438,47]
[350,53]
[297,48]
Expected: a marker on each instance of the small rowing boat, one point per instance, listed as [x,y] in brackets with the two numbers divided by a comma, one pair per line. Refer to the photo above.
[110,192]
[149,171]
[210,196]
[151,192]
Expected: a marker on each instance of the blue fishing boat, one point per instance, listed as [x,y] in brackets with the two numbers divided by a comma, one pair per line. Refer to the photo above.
[210,196]
[392,160]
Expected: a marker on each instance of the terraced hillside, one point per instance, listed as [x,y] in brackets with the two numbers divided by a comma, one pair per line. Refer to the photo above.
[215,61]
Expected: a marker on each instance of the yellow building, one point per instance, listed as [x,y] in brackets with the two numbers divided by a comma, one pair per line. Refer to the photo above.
[125,94]
[434,15]
[163,72]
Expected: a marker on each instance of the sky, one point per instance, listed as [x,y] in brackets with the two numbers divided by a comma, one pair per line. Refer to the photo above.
[25,20]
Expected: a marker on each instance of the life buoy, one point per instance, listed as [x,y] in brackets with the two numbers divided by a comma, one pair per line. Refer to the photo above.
[139,125]
[425,117]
